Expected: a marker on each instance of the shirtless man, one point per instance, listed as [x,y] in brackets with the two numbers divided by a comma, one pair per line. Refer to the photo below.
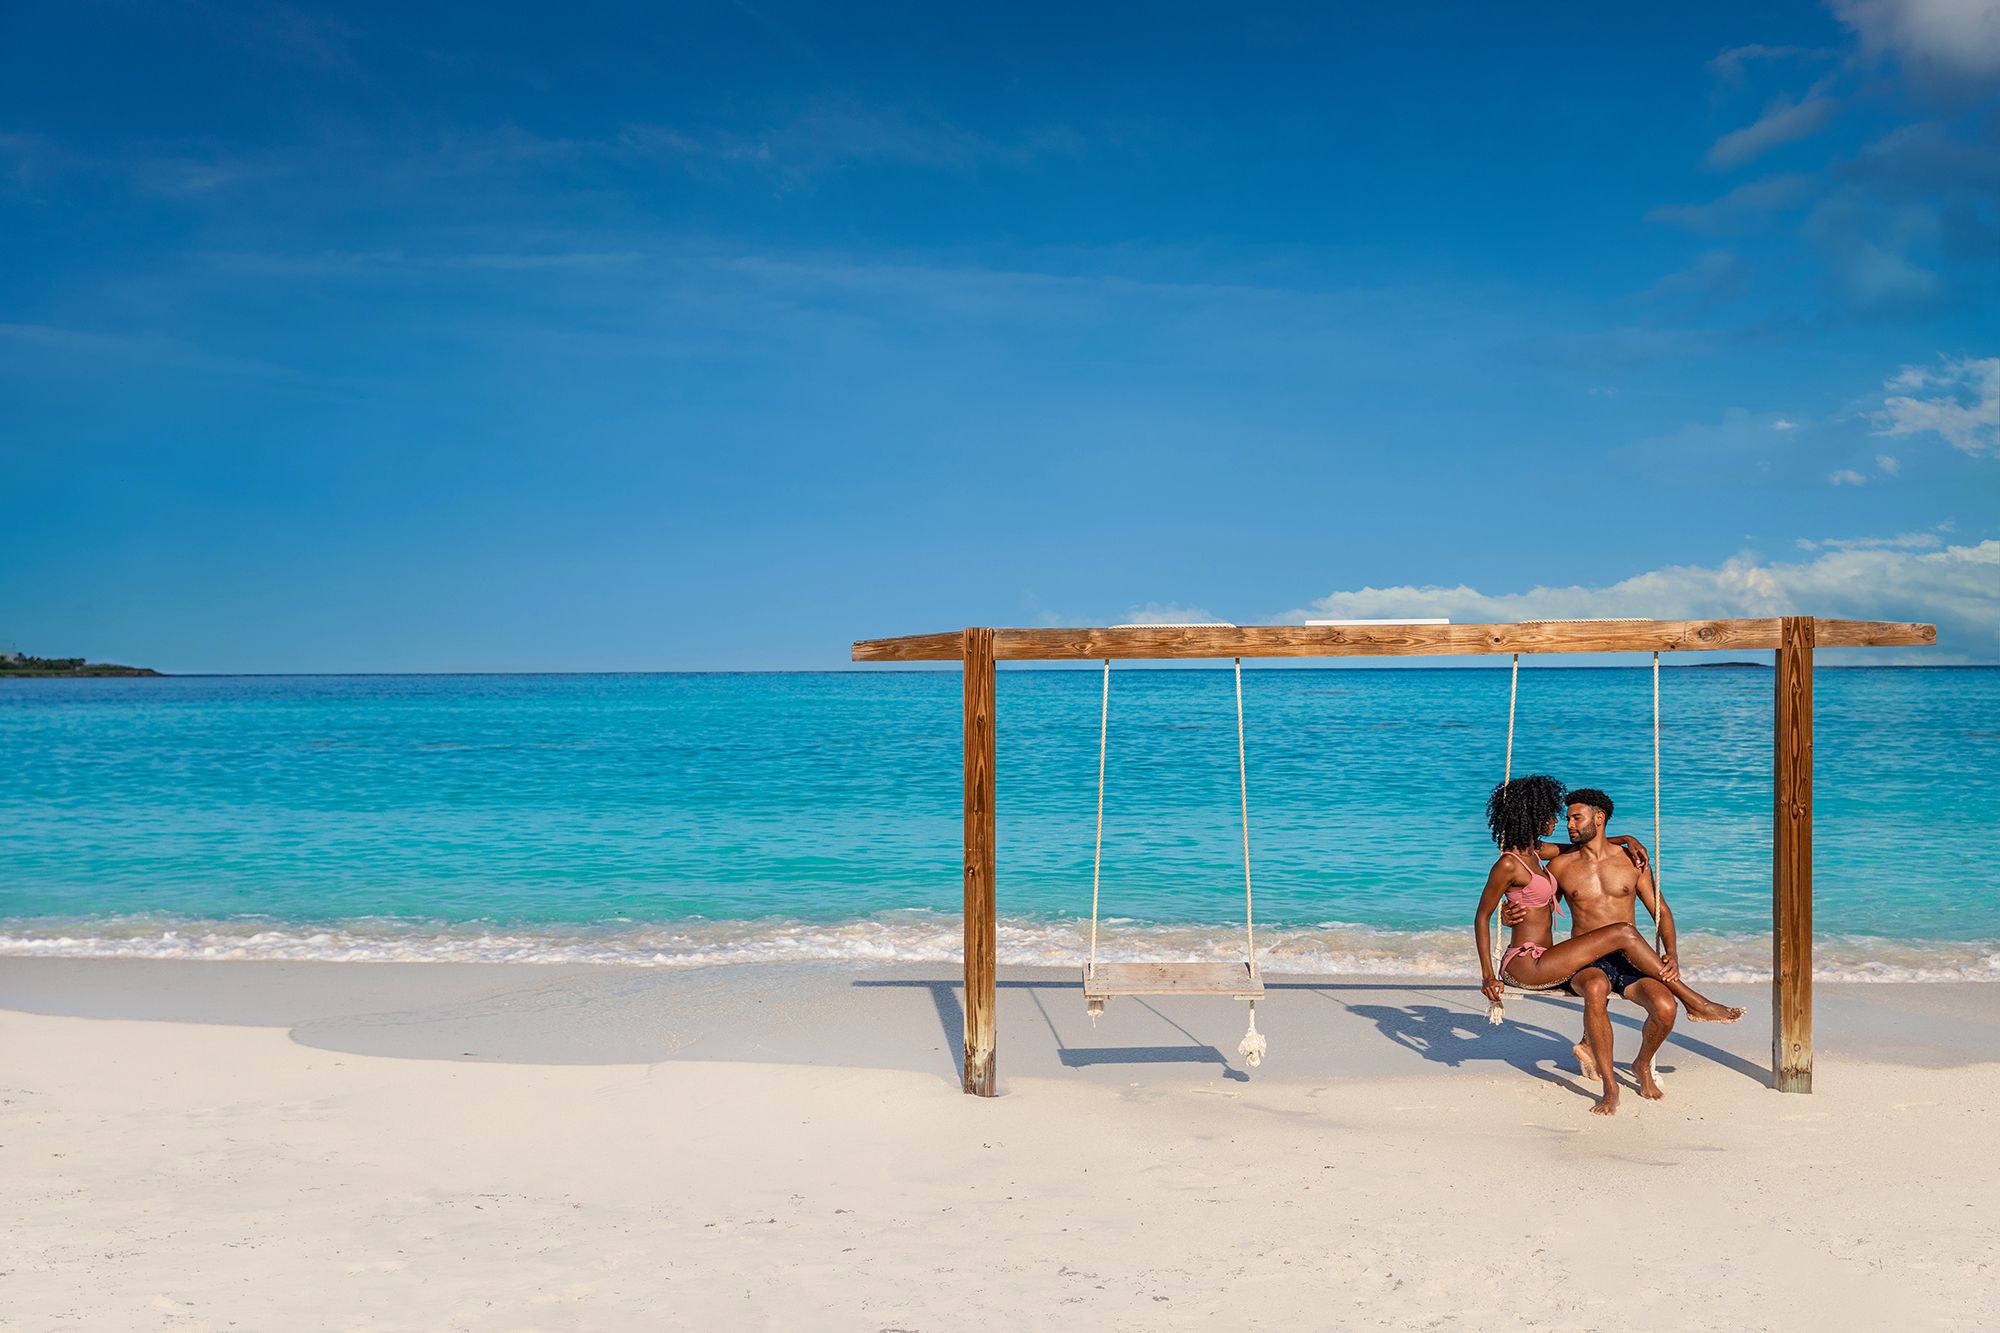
[1602,885]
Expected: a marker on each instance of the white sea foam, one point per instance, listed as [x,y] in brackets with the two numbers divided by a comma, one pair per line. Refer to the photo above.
[1327,949]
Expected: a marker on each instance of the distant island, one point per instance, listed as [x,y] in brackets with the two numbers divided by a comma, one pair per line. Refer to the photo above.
[20,664]
[1754,666]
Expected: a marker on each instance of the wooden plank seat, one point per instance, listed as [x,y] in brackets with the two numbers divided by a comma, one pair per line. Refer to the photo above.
[1237,980]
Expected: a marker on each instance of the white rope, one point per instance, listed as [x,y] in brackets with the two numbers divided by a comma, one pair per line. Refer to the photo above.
[1659,894]
[1243,786]
[1496,1011]
[1513,691]
[1252,1047]
[1097,857]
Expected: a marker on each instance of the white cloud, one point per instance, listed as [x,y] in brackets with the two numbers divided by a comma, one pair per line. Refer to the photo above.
[1888,464]
[1956,40]
[1902,541]
[1957,587]
[1782,424]
[1959,399]
[1847,476]
[1170,613]
[1782,122]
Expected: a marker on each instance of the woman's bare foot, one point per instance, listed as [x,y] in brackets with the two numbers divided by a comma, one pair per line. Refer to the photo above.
[1711,1012]
[1649,1087]
[1608,1103]
[1586,1064]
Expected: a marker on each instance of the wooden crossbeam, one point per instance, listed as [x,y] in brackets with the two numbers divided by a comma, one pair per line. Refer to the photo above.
[1545,636]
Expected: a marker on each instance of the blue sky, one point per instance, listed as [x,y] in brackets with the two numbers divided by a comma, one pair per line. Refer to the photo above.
[656,337]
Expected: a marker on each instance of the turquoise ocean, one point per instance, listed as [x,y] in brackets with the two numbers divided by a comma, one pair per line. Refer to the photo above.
[683,819]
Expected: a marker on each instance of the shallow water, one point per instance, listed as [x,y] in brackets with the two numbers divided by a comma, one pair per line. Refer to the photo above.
[691,817]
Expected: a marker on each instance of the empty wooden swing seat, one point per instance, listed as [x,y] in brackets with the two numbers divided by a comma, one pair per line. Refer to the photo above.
[1102,981]
[1236,980]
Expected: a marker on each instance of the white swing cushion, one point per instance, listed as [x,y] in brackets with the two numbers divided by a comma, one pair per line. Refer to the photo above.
[1238,980]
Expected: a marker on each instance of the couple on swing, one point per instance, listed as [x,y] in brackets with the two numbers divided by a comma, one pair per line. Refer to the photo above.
[1601,878]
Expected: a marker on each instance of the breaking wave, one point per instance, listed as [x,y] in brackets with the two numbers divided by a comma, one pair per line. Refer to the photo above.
[1326,949]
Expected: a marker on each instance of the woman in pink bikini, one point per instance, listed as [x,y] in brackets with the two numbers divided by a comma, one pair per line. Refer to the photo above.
[1522,814]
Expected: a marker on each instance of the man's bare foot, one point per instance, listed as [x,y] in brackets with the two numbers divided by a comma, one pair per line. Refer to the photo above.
[1649,1087]
[1607,1104]
[1586,1063]
[1713,1013]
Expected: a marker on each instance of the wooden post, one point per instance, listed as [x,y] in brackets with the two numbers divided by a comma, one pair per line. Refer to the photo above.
[1791,862]
[980,922]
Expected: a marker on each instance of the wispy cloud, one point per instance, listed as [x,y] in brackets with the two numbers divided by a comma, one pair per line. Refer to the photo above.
[1715,278]
[1847,476]
[1902,228]
[1784,121]
[1902,541]
[1920,159]
[1875,279]
[82,345]
[1958,587]
[1747,207]
[1957,399]
[1169,613]
[827,138]
[787,151]
[1732,65]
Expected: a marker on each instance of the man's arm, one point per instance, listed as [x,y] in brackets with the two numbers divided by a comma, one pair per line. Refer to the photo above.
[1631,846]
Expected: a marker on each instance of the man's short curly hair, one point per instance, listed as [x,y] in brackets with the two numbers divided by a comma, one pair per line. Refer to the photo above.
[1591,796]
[1519,812]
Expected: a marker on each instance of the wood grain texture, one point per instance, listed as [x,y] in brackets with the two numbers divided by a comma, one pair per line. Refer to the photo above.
[1057,645]
[981,858]
[1231,979]
[1791,863]
[912,648]
[1872,634]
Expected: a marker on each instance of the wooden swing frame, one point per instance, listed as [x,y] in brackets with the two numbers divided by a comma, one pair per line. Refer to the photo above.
[1794,639]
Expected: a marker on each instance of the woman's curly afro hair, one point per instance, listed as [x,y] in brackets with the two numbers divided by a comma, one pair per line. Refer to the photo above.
[1518,812]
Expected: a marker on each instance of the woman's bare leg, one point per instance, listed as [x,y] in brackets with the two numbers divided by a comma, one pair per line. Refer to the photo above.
[1699,1007]
[1563,961]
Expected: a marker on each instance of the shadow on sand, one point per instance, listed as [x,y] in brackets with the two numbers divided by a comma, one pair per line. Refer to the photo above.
[951,1019]
[1453,1034]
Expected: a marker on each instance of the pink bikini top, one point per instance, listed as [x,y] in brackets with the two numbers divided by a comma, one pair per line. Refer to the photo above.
[1539,891]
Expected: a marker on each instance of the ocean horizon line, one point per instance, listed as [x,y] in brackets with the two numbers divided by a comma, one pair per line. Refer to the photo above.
[1010,668]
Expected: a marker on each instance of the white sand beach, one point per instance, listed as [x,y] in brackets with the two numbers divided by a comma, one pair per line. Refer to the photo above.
[222,1145]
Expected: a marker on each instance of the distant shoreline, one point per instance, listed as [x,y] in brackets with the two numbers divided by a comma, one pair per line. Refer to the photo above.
[76,672]
[107,669]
